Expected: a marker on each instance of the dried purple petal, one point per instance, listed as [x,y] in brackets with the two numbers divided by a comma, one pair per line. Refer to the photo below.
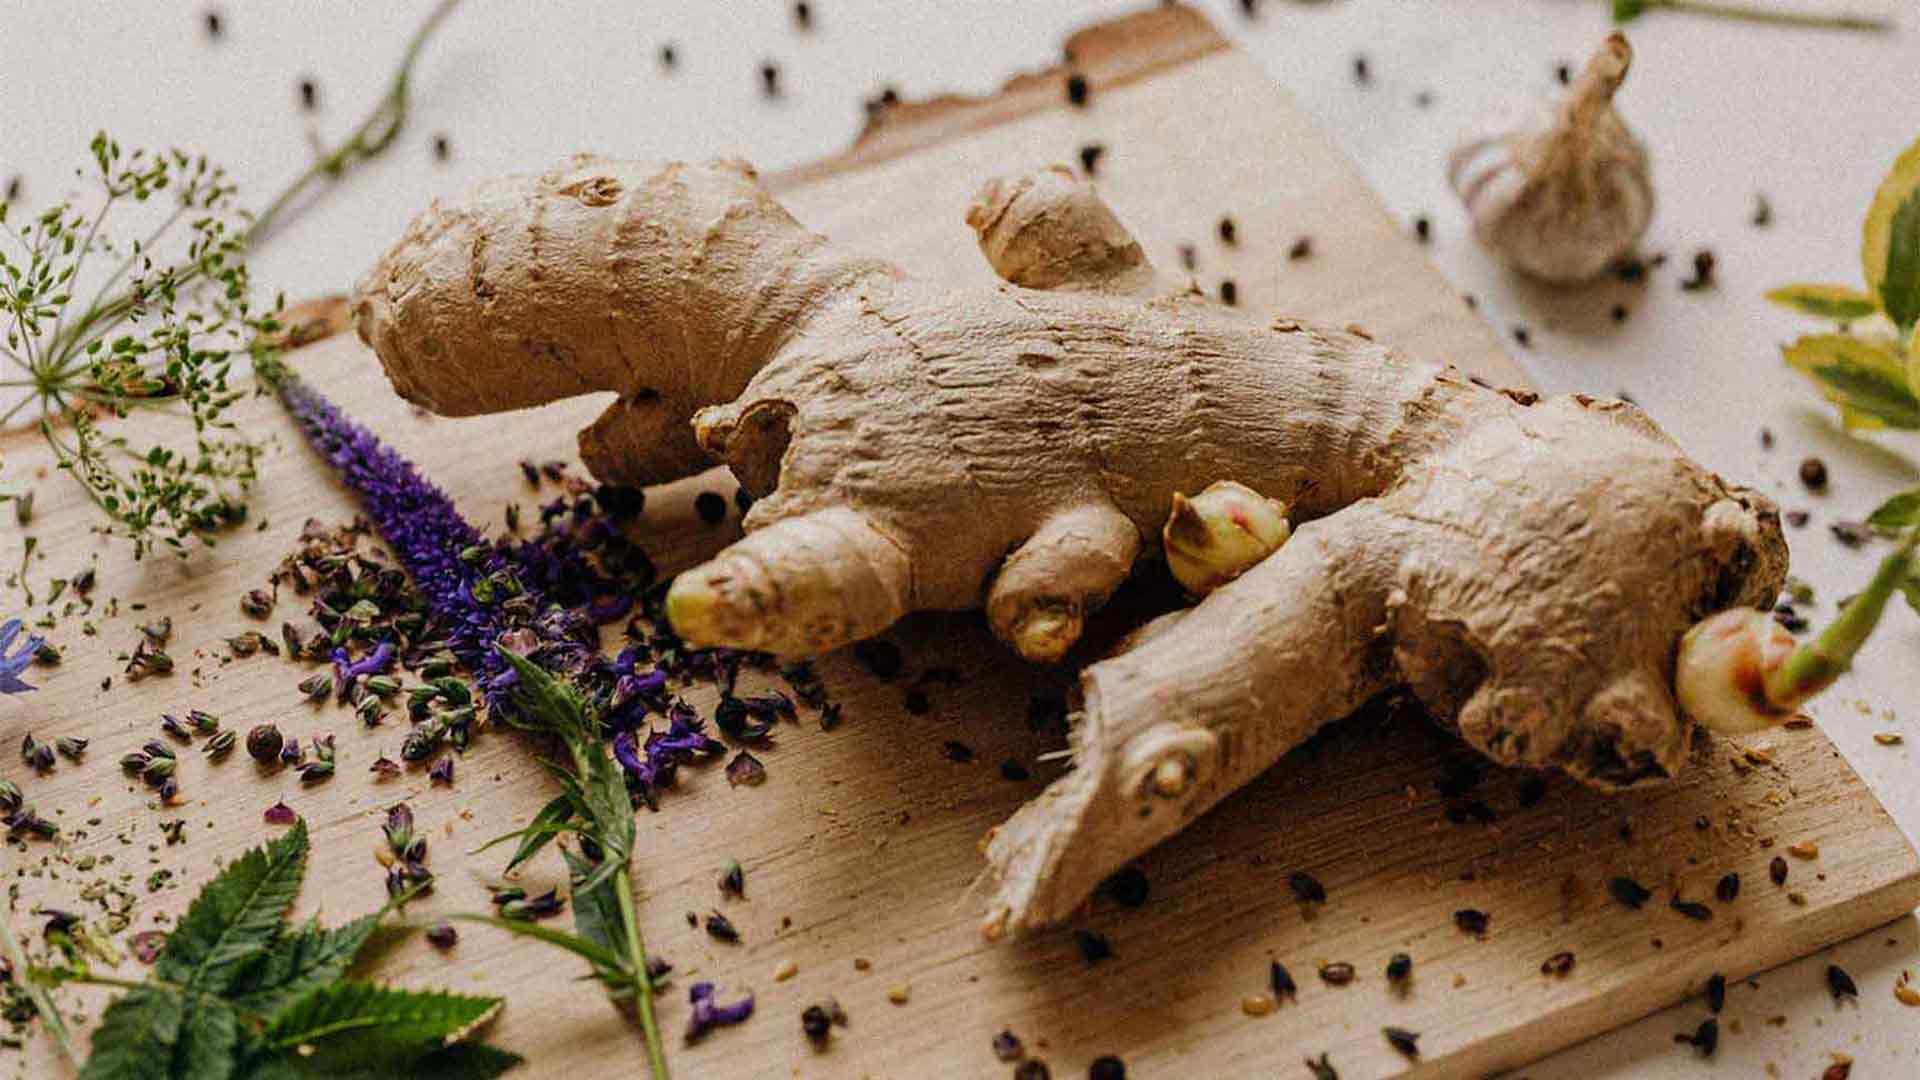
[384,768]
[745,769]
[733,879]
[1407,1042]
[146,945]
[280,814]
[442,935]
[721,928]
[708,1014]
[442,771]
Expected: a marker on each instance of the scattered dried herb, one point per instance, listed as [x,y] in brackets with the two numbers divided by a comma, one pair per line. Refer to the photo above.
[1705,1038]
[1128,887]
[1628,892]
[1338,973]
[1077,89]
[1228,232]
[1229,293]
[1399,968]
[1302,248]
[957,752]
[721,928]
[1777,870]
[1716,991]
[1558,964]
[1007,1047]
[1322,1069]
[1840,984]
[1692,909]
[1407,1042]
[745,769]
[1107,1067]
[1813,473]
[1011,769]
[1703,264]
[1090,155]
[1281,980]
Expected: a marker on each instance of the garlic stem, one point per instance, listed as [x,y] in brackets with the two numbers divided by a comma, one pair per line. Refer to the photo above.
[1598,81]
[1748,13]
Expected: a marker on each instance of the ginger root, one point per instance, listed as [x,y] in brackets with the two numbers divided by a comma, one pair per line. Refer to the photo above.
[1527,567]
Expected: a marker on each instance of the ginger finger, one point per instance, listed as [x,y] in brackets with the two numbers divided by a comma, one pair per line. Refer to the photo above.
[1039,600]
[642,441]
[1196,710]
[799,587]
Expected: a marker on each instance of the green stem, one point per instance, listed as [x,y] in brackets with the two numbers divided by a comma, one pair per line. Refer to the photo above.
[642,981]
[1750,13]
[1814,666]
[42,1001]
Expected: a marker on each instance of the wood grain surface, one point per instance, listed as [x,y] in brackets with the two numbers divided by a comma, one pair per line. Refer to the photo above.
[859,849]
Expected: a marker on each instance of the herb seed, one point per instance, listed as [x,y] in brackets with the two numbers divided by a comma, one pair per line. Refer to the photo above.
[1628,892]
[1339,973]
[1705,1038]
[1229,293]
[1229,233]
[1727,890]
[1777,870]
[1559,964]
[1007,1046]
[1090,157]
[1692,909]
[1077,89]
[1813,473]
[1840,984]
[1407,1042]
[1306,888]
[1282,981]
[1399,968]
[1717,992]
[1472,921]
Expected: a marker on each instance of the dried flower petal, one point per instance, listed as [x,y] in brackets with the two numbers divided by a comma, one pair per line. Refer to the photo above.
[280,814]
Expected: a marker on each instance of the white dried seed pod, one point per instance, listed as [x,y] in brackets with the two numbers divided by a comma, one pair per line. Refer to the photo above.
[1218,534]
[1720,678]
[1564,202]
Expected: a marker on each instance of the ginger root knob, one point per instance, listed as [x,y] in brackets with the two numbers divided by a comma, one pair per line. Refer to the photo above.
[1721,676]
[1218,534]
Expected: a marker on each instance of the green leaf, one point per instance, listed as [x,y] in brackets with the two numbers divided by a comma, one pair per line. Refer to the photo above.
[1866,378]
[546,698]
[596,913]
[465,1061]
[1877,231]
[590,951]
[1628,10]
[209,1034]
[356,1025]
[237,915]
[1900,512]
[1900,288]
[297,962]
[1910,588]
[1835,302]
[137,1036]
[548,823]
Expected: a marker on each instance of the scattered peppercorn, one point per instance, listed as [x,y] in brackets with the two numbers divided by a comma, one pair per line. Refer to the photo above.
[1472,921]
[442,935]
[1338,973]
[816,1025]
[1407,1042]
[1007,1046]
[1628,892]
[1094,947]
[1727,889]
[1306,888]
[1777,870]
[1077,89]
[1399,968]
[1692,909]
[1229,293]
[1128,887]
[733,879]
[711,507]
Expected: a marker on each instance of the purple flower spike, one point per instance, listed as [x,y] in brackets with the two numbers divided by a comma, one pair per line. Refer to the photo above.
[12,664]
[708,1014]
[377,662]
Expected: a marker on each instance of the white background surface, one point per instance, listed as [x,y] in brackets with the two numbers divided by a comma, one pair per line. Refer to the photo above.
[1810,119]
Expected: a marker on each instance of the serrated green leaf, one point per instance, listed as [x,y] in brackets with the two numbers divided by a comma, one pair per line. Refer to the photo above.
[1866,378]
[1835,302]
[298,961]
[356,1025]
[1876,232]
[137,1036]
[237,915]
[548,823]
[465,1061]
[209,1034]
[590,951]
[1900,287]
[545,698]
[1900,512]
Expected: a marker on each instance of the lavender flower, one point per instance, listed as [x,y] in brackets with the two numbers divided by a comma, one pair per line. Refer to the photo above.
[14,662]
[651,764]
[709,1014]
[377,662]
[465,579]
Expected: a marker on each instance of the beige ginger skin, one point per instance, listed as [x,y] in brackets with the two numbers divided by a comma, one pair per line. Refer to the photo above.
[1526,567]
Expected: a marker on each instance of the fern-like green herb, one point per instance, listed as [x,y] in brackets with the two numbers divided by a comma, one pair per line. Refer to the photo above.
[170,313]
[238,993]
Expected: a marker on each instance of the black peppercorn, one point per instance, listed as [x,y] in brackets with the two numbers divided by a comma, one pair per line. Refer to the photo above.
[1813,473]
[264,743]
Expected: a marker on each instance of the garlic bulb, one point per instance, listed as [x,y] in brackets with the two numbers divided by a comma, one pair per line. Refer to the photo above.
[1562,203]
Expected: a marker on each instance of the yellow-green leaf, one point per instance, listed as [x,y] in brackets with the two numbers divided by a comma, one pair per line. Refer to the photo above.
[1867,379]
[1835,302]
[1900,289]
[1876,235]
[1913,362]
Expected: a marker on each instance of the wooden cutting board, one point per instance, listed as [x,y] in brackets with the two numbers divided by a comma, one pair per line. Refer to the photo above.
[860,847]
